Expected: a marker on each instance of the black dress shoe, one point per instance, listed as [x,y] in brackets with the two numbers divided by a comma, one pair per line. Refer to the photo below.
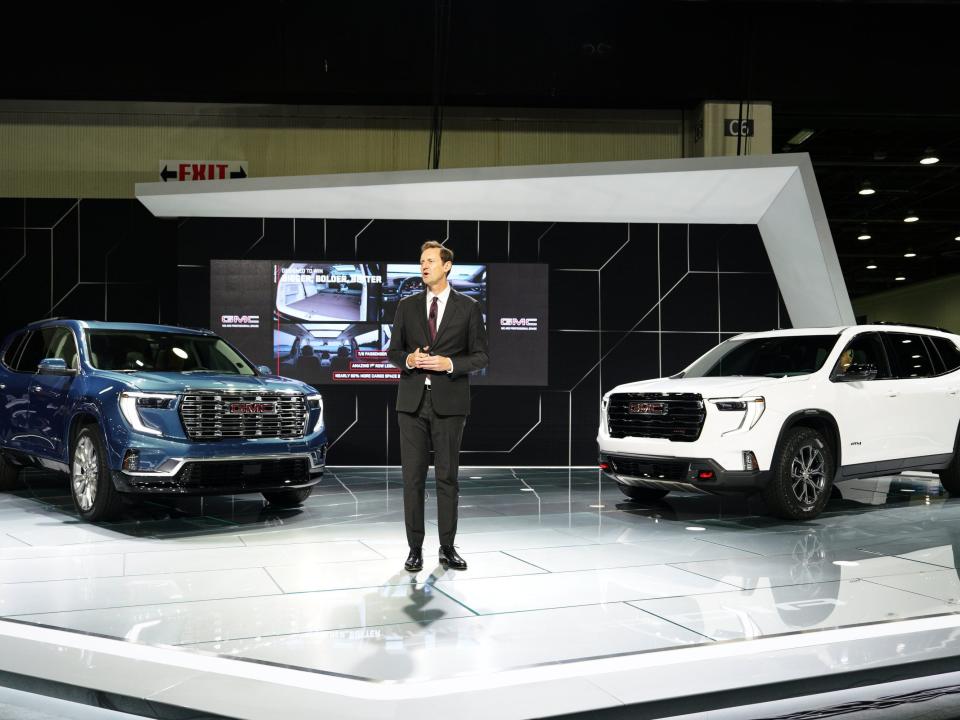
[414,561]
[450,560]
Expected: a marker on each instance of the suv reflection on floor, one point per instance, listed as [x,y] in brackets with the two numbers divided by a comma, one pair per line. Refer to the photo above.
[789,412]
[144,409]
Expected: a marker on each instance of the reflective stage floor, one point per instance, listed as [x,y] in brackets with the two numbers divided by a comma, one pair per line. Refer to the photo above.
[574,594]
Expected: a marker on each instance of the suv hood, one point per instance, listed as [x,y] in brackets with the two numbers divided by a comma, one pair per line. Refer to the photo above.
[709,387]
[178,382]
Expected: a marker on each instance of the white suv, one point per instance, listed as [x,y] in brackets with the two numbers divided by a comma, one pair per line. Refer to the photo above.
[788,412]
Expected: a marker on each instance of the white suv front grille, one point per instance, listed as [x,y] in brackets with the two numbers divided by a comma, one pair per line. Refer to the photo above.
[672,416]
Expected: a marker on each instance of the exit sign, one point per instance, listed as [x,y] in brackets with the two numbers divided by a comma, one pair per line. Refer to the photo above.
[202,170]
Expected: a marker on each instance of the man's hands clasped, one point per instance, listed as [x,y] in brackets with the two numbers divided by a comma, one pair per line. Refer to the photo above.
[420,358]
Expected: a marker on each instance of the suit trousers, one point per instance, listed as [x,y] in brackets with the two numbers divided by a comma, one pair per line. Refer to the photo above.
[417,431]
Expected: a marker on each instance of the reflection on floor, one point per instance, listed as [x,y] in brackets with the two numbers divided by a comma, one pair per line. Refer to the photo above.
[562,568]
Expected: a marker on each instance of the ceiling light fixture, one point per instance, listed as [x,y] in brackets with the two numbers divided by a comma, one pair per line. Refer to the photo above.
[801,137]
[909,254]
[864,236]
[866,189]
[898,278]
[871,267]
[911,217]
[929,157]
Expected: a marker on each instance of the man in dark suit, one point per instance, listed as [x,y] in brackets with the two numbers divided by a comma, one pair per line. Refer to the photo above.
[438,340]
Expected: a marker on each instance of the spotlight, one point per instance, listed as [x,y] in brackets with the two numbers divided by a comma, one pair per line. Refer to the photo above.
[929,157]
[871,267]
[898,278]
[957,238]
[864,236]
[866,189]
[909,254]
[911,217]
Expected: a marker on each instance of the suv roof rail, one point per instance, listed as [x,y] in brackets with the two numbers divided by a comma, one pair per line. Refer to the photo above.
[909,324]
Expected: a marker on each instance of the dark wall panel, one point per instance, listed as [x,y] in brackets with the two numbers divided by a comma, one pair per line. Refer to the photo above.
[626,302]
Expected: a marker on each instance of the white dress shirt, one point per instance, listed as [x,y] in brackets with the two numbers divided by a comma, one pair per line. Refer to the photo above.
[441,306]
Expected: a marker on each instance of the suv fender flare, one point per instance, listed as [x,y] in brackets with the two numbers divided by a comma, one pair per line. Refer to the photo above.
[81,415]
[815,418]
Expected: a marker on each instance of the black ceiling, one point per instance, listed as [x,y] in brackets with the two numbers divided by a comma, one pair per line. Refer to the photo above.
[876,80]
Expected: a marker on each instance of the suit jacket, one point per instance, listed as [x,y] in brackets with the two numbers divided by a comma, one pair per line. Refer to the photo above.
[461,337]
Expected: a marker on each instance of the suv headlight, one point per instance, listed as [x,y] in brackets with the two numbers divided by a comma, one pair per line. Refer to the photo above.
[132,402]
[315,402]
[751,407]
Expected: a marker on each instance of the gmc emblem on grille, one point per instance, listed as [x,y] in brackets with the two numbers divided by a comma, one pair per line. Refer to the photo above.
[252,408]
[647,408]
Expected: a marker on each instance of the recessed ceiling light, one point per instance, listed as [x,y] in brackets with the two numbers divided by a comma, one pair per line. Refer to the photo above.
[899,278]
[801,137]
[911,217]
[866,189]
[871,267]
[929,157]
[957,238]
[910,254]
[864,236]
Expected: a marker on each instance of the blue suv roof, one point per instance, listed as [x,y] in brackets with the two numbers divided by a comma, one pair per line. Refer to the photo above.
[100,325]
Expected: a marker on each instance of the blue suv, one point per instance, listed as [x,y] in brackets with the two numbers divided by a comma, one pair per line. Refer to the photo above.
[148,409]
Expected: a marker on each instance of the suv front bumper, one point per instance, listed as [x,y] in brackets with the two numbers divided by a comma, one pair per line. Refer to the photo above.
[226,475]
[679,473]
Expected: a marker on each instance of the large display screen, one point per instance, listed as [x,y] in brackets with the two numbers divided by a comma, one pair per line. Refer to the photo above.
[331,322]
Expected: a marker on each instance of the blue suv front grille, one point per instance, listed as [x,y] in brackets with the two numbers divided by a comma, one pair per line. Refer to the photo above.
[221,416]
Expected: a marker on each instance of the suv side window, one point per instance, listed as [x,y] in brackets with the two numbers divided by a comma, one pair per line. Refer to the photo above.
[32,353]
[10,356]
[948,352]
[50,342]
[909,354]
[864,349]
[60,344]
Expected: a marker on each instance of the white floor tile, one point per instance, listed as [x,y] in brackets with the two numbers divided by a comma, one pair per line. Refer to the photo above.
[376,573]
[820,566]
[208,621]
[469,645]
[587,587]
[112,592]
[594,557]
[246,557]
[60,568]
[749,614]
[790,541]
[484,542]
[939,584]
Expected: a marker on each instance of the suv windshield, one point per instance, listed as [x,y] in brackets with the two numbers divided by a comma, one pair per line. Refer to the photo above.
[144,351]
[765,357]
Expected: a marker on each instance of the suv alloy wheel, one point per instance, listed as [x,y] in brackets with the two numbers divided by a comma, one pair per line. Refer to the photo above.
[802,477]
[91,488]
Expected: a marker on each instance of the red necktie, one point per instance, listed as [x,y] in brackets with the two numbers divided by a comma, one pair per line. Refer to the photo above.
[433,320]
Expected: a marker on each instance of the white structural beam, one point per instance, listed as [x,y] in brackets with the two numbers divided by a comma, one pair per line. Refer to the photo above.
[778,193]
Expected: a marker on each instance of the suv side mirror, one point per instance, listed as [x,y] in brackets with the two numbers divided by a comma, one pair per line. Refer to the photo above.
[54,366]
[857,372]
[264,370]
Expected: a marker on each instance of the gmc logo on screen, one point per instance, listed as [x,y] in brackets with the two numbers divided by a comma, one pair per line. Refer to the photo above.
[252,408]
[240,321]
[518,323]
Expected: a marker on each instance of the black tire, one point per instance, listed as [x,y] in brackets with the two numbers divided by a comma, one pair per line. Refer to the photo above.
[801,477]
[9,474]
[91,487]
[642,494]
[950,476]
[287,498]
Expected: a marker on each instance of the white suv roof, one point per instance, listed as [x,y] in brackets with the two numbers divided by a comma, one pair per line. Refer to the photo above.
[841,328]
